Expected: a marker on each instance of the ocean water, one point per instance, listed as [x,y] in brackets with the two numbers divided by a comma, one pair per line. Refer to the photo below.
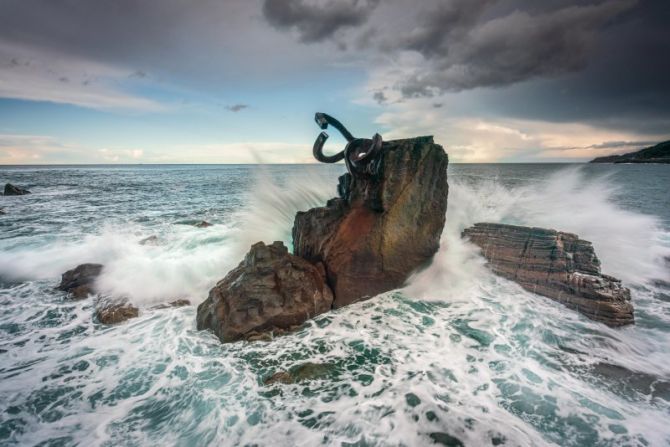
[458,357]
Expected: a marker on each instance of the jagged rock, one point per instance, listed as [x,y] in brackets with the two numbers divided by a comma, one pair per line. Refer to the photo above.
[270,289]
[151,240]
[554,264]
[202,224]
[115,311]
[11,190]
[79,281]
[384,227]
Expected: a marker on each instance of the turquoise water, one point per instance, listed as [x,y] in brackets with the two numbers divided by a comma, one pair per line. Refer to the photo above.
[458,357]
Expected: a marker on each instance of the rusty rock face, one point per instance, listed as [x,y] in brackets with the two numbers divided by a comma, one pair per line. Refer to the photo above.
[384,226]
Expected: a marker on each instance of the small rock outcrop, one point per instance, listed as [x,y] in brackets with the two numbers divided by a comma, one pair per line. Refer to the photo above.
[270,289]
[115,311]
[151,240]
[11,190]
[301,373]
[554,264]
[79,282]
[384,226]
[182,302]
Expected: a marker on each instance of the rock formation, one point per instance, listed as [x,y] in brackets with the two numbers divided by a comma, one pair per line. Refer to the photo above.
[79,281]
[301,373]
[554,264]
[115,311]
[11,190]
[386,224]
[270,289]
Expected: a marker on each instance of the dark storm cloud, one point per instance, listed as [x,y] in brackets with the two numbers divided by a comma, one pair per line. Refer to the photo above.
[625,85]
[505,50]
[439,26]
[237,107]
[317,21]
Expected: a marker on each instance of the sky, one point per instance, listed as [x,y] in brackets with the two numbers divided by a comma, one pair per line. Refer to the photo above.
[239,81]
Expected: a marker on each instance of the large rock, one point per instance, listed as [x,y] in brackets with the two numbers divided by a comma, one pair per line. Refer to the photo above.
[11,190]
[383,227]
[554,264]
[270,290]
[79,282]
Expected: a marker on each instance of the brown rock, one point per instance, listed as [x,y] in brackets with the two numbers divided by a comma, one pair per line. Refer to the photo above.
[385,227]
[114,312]
[79,281]
[270,290]
[202,224]
[554,264]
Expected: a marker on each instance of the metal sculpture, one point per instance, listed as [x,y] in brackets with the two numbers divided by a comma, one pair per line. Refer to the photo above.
[360,154]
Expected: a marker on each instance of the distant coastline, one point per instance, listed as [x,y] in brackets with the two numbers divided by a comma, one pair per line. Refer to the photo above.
[659,153]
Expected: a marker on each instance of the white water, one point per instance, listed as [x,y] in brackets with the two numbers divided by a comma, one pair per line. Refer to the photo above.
[479,352]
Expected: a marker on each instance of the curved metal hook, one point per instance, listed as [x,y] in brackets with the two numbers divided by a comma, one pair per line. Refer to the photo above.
[318,150]
[323,120]
[357,154]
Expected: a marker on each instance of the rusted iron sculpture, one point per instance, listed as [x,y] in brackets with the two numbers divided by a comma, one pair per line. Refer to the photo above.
[361,155]
[357,154]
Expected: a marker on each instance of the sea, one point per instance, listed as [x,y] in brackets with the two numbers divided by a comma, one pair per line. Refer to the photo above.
[458,357]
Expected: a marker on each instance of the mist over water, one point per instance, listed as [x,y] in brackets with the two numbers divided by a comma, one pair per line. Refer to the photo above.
[457,354]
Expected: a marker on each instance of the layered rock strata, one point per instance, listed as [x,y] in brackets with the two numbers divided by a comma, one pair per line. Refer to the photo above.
[556,265]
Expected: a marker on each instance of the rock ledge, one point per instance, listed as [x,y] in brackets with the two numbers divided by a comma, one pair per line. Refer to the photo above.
[554,264]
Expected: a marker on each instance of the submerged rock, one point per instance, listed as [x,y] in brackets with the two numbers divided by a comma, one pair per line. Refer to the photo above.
[301,373]
[270,290]
[11,190]
[151,240]
[554,264]
[176,303]
[384,226]
[203,224]
[2,211]
[115,311]
[79,282]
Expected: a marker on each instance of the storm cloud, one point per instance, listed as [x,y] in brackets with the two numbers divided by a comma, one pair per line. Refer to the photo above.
[316,21]
[514,48]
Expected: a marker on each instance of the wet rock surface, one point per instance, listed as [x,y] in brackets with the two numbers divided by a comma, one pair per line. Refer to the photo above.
[109,311]
[79,282]
[556,265]
[176,303]
[269,290]
[301,373]
[384,226]
[12,190]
